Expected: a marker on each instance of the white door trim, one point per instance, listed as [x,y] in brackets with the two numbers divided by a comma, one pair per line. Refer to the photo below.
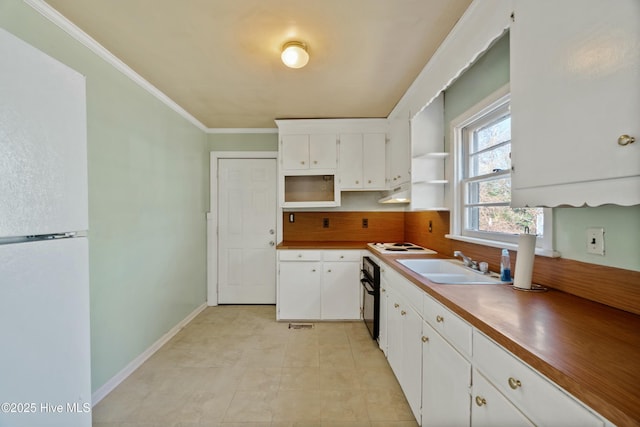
[212,216]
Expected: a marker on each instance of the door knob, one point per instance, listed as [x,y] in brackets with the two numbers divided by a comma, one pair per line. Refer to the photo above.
[272,231]
[272,243]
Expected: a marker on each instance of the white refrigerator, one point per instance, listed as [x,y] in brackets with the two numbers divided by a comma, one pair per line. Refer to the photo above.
[45,377]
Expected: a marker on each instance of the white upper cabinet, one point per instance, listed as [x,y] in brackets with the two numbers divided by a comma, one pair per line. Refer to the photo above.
[575,84]
[309,151]
[362,161]
[398,153]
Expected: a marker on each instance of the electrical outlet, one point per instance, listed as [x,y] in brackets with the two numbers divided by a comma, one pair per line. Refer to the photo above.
[325,222]
[595,240]
[365,223]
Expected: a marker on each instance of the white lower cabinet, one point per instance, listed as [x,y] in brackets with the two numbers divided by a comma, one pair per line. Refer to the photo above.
[340,293]
[537,397]
[382,323]
[404,347]
[490,408]
[411,379]
[454,375]
[394,331]
[318,285]
[446,380]
[299,290]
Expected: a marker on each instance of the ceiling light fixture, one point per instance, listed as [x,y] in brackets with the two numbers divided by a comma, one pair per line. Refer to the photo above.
[294,54]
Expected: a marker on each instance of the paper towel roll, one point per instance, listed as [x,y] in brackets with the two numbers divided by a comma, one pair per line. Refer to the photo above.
[524,261]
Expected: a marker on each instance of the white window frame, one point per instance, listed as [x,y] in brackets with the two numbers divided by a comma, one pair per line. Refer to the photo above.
[496,100]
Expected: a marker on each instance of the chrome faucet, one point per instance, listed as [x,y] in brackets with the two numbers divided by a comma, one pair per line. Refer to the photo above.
[465,259]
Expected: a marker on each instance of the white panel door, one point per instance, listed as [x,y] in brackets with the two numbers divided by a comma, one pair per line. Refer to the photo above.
[45,350]
[43,150]
[246,231]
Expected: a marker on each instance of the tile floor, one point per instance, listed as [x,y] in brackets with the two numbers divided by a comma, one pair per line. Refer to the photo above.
[235,366]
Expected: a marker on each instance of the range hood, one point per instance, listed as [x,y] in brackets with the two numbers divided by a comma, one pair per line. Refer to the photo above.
[400,194]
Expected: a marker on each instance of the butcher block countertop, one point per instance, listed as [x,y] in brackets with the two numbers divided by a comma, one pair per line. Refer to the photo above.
[589,349]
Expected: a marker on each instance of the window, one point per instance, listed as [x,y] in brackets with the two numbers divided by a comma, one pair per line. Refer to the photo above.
[482,155]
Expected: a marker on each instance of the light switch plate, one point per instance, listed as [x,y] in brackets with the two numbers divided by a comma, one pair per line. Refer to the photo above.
[595,240]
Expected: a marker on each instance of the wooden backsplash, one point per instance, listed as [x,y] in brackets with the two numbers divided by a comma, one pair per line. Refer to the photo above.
[614,287]
[343,226]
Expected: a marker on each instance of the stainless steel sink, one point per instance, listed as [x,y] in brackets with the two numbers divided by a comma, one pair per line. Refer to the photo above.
[448,272]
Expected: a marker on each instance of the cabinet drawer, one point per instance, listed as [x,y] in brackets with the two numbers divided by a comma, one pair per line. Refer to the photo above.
[340,255]
[411,293]
[540,399]
[299,255]
[448,324]
[490,408]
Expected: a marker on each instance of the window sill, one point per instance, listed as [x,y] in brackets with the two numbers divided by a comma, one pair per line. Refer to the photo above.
[496,244]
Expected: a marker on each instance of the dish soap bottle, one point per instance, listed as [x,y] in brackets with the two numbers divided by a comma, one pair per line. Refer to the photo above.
[505,266]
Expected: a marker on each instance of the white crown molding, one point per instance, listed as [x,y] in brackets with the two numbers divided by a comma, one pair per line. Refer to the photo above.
[241,130]
[70,28]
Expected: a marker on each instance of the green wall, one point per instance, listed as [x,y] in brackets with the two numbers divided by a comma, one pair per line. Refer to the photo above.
[148,195]
[242,141]
[621,224]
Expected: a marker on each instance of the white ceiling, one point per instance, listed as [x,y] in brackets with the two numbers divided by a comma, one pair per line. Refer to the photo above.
[220,59]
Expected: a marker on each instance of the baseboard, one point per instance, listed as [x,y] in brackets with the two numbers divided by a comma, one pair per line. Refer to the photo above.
[110,385]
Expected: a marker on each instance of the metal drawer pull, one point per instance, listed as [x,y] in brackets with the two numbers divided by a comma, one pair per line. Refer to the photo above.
[403,312]
[396,305]
[514,383]
[480,401]
[425,339]
[439,319]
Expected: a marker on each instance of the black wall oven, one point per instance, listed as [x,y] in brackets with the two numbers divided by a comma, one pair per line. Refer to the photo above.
[371,296]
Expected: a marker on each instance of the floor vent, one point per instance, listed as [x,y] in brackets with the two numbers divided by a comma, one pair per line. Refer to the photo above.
[300,325]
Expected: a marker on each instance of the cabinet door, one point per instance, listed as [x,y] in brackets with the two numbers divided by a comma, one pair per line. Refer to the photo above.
[351,161]
[373,161]
[295,152]
[340,291]
[446,379]
[382,331]
[411,379]
[323,153]
[398,152]
[490,408]
[575,85]
[299,290]
[394,332]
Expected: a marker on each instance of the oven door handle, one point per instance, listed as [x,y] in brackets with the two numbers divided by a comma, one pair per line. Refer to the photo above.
[367,286]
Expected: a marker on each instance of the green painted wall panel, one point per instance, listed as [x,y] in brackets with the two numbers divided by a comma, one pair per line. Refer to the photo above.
[622,224]
[243,141]
[148,195]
